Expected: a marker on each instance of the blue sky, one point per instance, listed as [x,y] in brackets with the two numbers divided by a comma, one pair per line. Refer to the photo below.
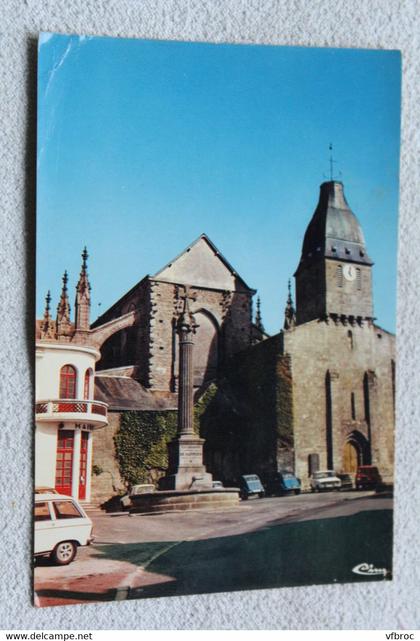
[143,145]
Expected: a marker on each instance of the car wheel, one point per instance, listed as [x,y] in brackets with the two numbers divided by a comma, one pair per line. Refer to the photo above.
[64,553]
[297,492]
[261,495]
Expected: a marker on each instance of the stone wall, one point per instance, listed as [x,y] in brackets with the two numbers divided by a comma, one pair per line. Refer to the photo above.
[310,290]
[108,482]
[150,345]
[261,379]
[349,297]
[342,384]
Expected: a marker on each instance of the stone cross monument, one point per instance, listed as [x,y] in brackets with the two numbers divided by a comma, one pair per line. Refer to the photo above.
[185,452]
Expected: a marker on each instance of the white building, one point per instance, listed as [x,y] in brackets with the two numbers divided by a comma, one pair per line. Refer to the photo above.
[66,414]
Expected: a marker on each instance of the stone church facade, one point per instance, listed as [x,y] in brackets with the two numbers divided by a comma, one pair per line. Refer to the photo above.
[342,362]
[138,369]
[318,395]
[148,352]
[330,374]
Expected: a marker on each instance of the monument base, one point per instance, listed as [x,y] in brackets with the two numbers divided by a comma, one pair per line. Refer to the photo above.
[180,501]
[186,470]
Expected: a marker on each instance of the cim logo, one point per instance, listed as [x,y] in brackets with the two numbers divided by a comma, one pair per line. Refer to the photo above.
[368,569]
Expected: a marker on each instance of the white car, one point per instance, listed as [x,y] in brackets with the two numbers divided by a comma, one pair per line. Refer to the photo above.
[325,480]
[61,526]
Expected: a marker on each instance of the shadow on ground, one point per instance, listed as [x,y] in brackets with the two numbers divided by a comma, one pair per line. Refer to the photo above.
[304,553]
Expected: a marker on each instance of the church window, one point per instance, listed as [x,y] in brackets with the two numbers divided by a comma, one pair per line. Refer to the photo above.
[353,406]
[339,275]
[68,382]
[333,248]
[86,387]
[348,251]
[350,339]
[359,278]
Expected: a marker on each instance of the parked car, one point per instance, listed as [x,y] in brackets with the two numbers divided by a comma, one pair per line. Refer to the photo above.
[324,480]
[45,490]
[346,481]
[217,485]
[143,488]
[250,485]
[367,477]
[282,483]
[61,526]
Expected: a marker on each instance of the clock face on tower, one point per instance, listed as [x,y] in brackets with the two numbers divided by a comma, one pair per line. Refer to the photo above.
[349,272]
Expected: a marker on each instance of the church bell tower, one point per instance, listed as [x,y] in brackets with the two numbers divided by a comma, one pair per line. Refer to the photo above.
[333,278]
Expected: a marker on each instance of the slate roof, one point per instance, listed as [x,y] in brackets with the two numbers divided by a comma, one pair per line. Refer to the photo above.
[123,393]
[334,230]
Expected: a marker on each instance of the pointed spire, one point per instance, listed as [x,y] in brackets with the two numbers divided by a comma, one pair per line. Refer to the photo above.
[47,306]
[258,318]
[47,326]
[289,312]
[63,323]
[82,303]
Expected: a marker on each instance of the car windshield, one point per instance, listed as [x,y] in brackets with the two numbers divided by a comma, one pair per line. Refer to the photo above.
[288,476]
[323,475]
[66,510]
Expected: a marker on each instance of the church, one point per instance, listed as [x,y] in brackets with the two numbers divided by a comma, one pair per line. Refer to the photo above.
[320,394]
[330,374]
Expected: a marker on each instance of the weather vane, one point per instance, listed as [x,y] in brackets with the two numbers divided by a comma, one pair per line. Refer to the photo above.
[332,163]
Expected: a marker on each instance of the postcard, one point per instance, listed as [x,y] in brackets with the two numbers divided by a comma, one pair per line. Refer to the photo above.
[215,327]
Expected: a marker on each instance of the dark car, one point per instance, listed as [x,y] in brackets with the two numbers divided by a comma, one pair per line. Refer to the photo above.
[283,483]
[250,485]
[346,481]
[367,477]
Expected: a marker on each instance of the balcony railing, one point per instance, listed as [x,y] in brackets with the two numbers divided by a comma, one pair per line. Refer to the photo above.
[87,410]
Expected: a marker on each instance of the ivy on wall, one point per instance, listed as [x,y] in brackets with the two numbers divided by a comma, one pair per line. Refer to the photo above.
[141,445]
[245,418]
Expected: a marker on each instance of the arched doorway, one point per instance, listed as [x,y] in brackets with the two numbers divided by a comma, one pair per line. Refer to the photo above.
[356,452]
[351,457]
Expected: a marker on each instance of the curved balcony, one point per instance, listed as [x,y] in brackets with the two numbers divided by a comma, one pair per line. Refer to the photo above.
[66,410]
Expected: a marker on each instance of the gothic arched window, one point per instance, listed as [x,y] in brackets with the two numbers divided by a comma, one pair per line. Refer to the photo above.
[68,382]
[86,386]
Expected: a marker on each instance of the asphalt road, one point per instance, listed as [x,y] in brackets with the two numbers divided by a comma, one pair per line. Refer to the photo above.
[262,543]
